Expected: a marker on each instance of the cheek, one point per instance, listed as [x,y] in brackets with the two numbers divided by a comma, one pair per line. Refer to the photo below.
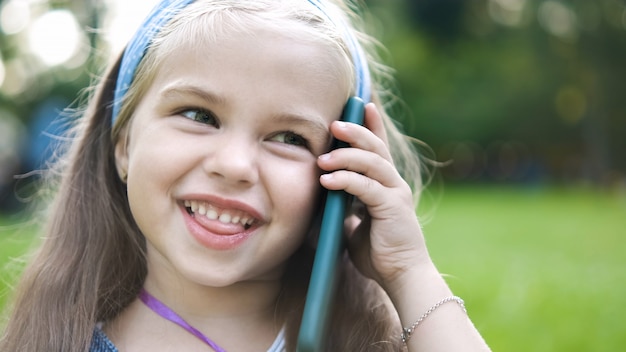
[149,170]
[159,155]
[295,216]
[154,168]
[297,194]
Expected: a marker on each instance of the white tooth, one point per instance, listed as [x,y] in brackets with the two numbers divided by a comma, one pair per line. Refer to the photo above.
[211,214]
[224,218]
[244,220]
[250,221]
[194,206]
[201,209]
[187,204]
[235,219]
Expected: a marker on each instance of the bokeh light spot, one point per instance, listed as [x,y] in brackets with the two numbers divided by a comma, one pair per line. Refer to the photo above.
[558,19]
[2,71]
[14,16]
[54,37]
[507,12]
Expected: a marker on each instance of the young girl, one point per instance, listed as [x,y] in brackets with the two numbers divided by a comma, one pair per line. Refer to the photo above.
[189,201]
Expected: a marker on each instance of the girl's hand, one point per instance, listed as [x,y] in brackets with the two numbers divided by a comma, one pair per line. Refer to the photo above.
[388,242]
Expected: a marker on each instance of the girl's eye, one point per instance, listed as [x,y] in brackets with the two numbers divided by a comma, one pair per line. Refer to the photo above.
[202,116]
[291,138]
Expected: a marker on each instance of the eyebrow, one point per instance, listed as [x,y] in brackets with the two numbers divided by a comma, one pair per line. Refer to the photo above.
[178,91]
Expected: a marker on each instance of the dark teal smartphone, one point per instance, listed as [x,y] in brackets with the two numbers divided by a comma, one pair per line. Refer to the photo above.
[329,249]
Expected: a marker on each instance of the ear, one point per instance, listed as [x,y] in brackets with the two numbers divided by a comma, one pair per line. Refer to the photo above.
[121,155]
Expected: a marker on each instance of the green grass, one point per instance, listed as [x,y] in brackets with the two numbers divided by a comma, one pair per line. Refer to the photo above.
[16,238]
[539,269]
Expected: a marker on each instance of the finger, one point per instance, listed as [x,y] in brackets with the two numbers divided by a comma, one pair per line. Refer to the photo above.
[350,224]
[359,248]
[368,190]
[363,162]
[360,137]
[374,122]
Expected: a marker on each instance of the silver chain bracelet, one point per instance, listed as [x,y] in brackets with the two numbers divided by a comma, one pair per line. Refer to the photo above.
[406,332]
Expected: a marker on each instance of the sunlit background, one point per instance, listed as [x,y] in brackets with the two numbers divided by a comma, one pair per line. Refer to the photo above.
[50,51]
[511,90]
[522,104]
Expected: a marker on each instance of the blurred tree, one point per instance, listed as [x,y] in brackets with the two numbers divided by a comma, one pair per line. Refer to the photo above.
[537,83]
[439,18]
[544,74]
[30,37]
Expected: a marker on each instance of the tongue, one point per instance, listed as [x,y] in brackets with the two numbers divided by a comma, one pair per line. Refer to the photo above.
[218,227]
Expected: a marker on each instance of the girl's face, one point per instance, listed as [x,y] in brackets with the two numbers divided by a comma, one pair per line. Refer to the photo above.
[221,155]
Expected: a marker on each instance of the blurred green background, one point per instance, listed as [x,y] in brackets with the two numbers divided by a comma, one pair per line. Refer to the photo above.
[521,101]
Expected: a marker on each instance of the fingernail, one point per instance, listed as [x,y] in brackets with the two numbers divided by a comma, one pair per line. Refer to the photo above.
[324,157]
[326,177]
[340,124]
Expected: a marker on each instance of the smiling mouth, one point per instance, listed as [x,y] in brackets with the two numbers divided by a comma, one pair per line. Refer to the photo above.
[226,216]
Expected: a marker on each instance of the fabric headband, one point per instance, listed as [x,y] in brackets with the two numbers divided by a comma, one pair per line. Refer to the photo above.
[165,11]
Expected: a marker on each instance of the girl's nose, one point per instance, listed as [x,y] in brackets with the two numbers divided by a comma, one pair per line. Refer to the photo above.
[233,160]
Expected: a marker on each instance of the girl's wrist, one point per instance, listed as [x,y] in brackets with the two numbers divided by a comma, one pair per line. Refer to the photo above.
[418,269]
[430,315]
[416,290]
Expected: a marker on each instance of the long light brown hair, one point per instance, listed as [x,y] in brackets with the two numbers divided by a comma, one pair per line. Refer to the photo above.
[92,263]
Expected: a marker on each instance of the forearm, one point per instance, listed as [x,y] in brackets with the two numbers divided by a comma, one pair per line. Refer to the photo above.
[447,327]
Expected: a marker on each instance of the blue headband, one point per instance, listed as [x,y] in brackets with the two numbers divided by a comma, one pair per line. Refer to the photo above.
[165,11]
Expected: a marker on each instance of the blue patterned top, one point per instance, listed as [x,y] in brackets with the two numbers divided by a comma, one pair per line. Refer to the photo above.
[101,343]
